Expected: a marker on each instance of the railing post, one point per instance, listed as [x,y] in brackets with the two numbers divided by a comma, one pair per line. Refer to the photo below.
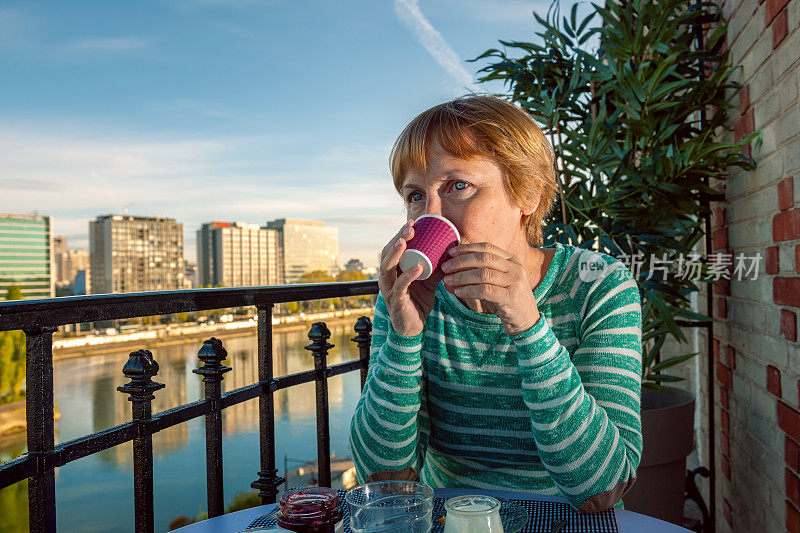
[41,430]
[140,368]
[319,335]
[364,339]
[212,354]
[268,480]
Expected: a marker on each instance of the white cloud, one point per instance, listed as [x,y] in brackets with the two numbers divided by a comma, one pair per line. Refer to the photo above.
[74,177]
[432,40]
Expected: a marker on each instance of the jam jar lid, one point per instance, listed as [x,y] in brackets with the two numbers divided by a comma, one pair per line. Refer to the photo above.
[309,507]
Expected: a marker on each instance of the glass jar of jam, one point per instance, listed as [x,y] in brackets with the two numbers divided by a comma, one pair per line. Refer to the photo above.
[310,510]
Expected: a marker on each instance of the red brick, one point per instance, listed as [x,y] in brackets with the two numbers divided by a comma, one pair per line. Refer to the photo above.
[728,511]
[730,353]
[723,397]
[715,348]
[791,454]
[773,259]
[789,421]
[744,99]
[792,487]
[726,467]
[725,440]
[773,8]
[744,126]
[792,518]
[786,291]
[786,193]
[722,307]
[789,325]
[719,239]
[725,421]
[774,381]
[780,28]
[797,258]
[786,225]
[722,287]
[724,375]
[719,216]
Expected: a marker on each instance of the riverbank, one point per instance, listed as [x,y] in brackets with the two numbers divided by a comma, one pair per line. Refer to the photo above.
[88,345]
[14,424]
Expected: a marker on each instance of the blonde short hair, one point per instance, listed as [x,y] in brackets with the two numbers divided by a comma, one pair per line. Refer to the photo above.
[489,126]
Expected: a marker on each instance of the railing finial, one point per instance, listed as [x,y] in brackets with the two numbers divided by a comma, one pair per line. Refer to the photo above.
[212,354]
[140,369]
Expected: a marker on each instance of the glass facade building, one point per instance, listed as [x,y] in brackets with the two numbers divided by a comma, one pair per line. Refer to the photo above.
[26,255]
[306,246]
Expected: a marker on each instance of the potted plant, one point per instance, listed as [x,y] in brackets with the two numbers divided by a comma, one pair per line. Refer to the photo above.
[633,105]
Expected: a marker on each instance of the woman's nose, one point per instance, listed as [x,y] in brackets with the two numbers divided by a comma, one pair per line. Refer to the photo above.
[433,206]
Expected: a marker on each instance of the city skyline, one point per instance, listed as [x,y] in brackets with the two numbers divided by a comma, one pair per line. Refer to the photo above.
[221,110]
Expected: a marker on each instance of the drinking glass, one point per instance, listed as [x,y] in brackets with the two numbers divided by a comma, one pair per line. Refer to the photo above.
[472,514]
[390,507]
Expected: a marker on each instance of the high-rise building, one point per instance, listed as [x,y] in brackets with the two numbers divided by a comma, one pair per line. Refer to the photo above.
[26,255]
[192,280]
[59,251]
[132,254]
[73,262]
[306,246]
[236,254]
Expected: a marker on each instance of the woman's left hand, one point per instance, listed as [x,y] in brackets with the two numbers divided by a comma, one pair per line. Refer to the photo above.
[484,272]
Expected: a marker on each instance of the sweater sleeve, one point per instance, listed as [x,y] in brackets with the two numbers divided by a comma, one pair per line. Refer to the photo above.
[389,428]
[585,411]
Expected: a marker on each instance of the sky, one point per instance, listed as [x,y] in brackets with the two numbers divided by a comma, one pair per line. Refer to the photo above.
[230,110]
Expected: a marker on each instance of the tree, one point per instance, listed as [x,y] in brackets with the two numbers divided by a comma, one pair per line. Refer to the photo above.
[13,292]
[634,125]
[354,301]
[317,276]
[12,357]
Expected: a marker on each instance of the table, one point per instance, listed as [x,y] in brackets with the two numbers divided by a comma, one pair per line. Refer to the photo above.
[627,521]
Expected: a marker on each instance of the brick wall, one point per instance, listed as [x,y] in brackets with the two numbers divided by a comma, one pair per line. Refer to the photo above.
[756,353]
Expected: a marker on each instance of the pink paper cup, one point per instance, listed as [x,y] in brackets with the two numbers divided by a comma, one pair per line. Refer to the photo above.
[433,236]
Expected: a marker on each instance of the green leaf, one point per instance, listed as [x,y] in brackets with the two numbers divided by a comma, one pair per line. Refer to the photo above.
[672,361]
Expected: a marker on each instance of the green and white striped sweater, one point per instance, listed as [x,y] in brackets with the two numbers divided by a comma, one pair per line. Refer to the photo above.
[553,410]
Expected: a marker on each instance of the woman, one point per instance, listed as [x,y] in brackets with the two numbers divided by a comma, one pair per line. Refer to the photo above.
[514,367]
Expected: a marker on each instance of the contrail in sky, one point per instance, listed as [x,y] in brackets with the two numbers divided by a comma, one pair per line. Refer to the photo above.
[432,40]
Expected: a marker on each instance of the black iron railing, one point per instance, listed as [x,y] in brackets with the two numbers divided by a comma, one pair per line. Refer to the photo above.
[39,319]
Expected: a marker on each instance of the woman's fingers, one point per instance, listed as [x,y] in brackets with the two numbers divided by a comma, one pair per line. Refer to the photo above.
[477,260]
[485,292]
[405,279]
[390,256]
[474,276]
[480,247]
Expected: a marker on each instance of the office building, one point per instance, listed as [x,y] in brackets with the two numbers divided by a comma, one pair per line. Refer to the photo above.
[132,254]
[59,251]
[305,246]
[236,254]
[26,255]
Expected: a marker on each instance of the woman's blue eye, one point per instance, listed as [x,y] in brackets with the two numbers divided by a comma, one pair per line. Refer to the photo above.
[460,185]
[414,197]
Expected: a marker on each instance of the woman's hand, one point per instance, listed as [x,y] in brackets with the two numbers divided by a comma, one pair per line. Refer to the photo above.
[482,271]
[409,305]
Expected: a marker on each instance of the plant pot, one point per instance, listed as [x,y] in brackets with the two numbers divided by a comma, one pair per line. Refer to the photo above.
[668,435]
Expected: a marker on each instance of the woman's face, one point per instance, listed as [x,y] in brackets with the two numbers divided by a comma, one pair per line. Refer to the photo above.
[472,195]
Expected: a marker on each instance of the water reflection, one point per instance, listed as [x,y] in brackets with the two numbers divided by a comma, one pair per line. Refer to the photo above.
[101,485]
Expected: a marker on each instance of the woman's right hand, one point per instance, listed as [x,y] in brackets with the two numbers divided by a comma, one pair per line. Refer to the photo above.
[409,305]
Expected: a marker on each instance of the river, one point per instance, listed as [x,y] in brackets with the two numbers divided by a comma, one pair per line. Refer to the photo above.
[95,493]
